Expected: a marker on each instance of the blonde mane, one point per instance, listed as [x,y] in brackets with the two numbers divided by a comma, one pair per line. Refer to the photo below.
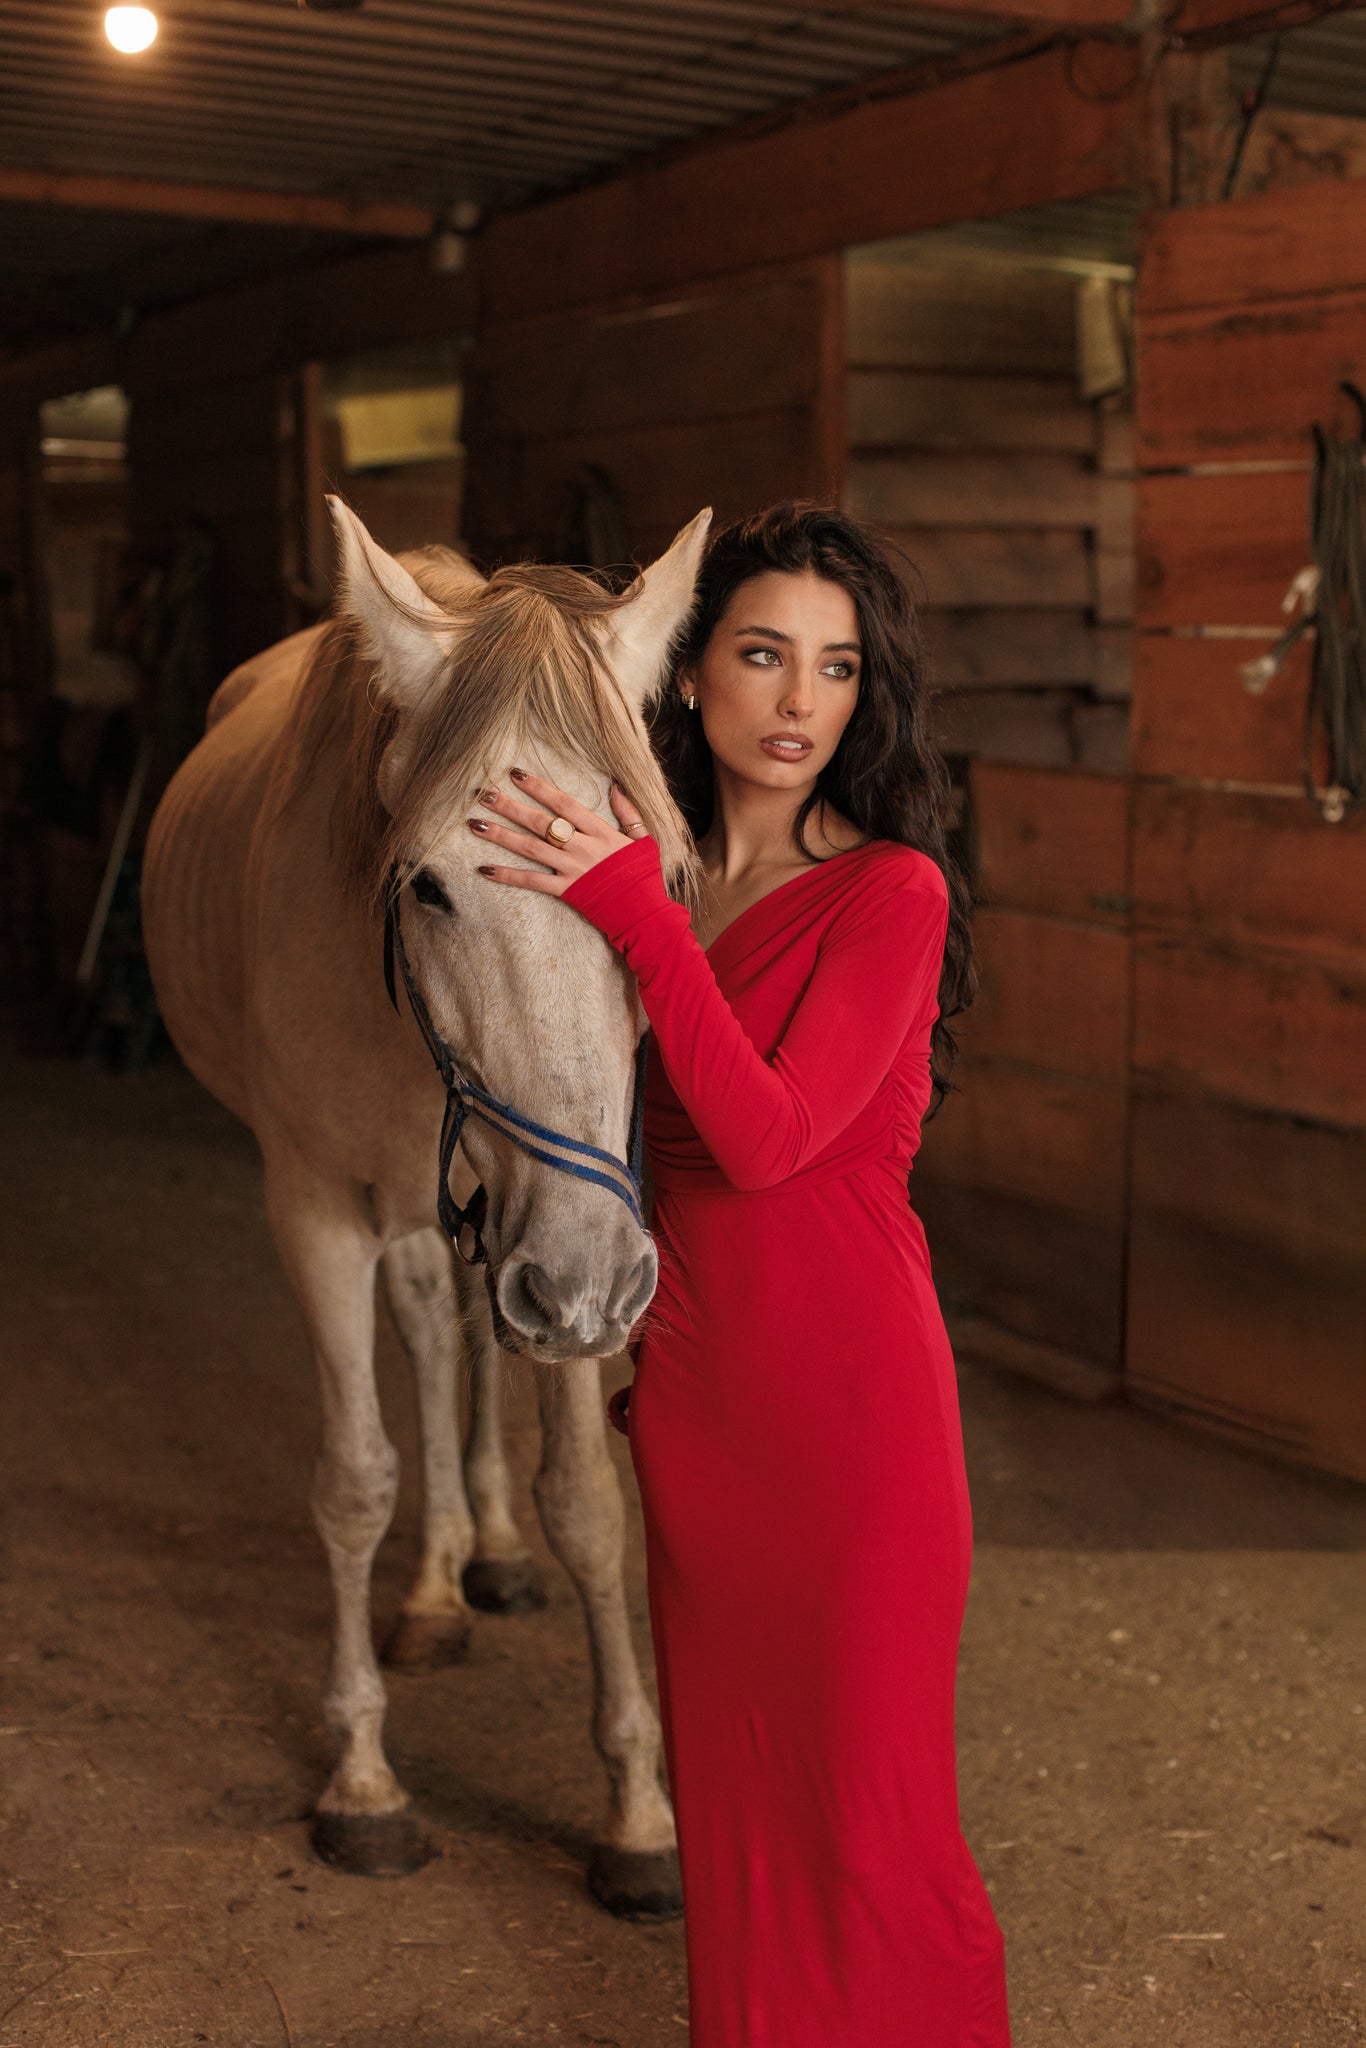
[528,668]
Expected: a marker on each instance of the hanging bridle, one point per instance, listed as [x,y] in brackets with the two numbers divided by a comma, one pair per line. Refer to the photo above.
[464,1099]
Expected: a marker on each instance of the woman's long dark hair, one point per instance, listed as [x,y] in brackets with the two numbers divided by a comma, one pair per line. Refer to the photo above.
[886,776]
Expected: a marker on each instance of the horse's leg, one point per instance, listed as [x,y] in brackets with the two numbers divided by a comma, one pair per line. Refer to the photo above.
[502,1576]
[634,1869]
[434,1627]
[362,1820]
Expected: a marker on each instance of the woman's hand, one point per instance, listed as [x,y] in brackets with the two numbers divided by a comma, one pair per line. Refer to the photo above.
[521,827]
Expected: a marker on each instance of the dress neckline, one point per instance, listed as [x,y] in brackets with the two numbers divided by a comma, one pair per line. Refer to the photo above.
[817,868]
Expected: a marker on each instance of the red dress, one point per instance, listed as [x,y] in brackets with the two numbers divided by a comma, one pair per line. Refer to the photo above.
[795,1431]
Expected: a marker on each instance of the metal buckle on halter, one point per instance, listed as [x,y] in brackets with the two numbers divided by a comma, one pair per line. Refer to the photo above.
[464,1099]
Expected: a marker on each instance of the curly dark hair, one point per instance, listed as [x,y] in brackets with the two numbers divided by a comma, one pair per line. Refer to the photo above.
[887,776]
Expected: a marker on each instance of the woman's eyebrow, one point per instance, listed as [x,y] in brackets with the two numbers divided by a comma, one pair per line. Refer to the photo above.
[772,633]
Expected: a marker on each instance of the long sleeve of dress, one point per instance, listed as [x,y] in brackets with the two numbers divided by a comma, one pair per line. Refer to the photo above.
[877,972]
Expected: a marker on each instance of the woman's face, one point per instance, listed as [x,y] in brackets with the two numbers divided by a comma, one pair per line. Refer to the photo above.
[779,679]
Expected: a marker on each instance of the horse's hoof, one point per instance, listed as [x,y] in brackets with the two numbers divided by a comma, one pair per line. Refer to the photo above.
[504,1585]
[636,1884]
[427,1642]
[372,1844]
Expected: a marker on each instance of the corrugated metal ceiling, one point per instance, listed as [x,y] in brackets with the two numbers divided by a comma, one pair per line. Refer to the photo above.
[422,101]
[425,100]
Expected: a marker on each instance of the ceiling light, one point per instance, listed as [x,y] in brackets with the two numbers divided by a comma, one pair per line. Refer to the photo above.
[131,29]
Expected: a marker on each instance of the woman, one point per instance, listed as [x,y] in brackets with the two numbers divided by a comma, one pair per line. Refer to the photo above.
[794,1418]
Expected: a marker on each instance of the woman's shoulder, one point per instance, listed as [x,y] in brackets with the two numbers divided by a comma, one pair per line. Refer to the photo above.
[895,868]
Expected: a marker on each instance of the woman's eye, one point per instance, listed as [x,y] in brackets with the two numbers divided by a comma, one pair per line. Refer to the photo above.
[765,656]
[428,890]
[841,670]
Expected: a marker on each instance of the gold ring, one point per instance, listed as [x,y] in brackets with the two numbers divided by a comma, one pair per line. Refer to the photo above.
[559,831]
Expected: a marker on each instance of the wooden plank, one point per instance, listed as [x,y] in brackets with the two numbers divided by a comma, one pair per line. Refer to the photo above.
[967,150]
[1248,869]
[1274,1030]
[1220,550]
[1052,994]
[986,649]
[1051,842]
[1041,1137]
[203,424]
[1246,382]
[1114,585]
[1247,1275]
[1277,245]
[1114,440]
[380,299]
[1112,661]
[1030,726]
[1100,734]
[925,409]
[1044,1273]
[1115,512]
[185,201]
[734,352]
[953,317]
[975,565]
[1194,718]
[971,490]
[665,474]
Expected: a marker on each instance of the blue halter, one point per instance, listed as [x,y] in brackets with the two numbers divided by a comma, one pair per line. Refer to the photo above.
[464,1099]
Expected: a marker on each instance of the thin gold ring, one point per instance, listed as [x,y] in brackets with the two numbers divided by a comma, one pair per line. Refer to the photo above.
[559,831]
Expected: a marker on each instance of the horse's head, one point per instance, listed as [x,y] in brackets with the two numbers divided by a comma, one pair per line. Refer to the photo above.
[539,668]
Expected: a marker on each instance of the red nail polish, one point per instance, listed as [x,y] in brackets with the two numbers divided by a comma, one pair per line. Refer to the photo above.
[518,774]
[486,871]
[477,825]
[488,796]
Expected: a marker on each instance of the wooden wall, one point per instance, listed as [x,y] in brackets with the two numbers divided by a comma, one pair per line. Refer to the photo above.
[1247,1257]
[1010,495]
[722,396]
[1021,1177]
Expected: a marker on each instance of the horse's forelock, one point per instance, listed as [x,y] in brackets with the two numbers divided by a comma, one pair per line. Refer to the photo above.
[528,666]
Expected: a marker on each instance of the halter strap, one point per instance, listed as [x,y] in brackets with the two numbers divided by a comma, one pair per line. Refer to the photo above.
[464,1098]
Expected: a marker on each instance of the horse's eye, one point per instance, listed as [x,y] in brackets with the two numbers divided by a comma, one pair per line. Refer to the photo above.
[428,890]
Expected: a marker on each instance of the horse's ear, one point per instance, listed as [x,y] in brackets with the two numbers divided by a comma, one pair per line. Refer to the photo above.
[640,636]
[408,635]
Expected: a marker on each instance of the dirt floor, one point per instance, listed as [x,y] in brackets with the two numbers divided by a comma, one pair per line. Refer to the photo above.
[1162,1705]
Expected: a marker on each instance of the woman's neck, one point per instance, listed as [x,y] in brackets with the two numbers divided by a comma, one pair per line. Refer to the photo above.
[751,832]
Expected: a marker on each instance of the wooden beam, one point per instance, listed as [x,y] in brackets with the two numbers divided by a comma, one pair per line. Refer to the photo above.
[215,202]
[376,300]
[1194,24]
[1014,136]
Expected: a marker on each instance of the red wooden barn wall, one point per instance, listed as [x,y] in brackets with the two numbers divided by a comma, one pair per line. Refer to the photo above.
[1247,1236]
[718,395]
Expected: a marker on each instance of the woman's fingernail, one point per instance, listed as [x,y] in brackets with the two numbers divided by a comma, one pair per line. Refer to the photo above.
[518,774]
[486,871]
[476,825]
[488,796]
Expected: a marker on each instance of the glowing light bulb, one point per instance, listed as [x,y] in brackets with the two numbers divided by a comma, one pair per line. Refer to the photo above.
[130,29]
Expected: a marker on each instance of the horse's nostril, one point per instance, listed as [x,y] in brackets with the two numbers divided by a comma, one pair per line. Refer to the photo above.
[541,1292]
[632,1294]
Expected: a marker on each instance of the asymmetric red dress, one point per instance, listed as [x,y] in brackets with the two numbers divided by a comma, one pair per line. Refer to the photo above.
[795,1431]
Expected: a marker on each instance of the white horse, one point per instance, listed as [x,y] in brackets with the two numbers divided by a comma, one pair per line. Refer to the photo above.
[336,778]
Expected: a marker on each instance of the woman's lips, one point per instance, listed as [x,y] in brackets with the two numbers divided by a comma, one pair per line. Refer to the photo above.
[785,746]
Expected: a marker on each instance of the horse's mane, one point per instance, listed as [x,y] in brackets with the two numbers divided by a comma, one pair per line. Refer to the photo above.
[527,667]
